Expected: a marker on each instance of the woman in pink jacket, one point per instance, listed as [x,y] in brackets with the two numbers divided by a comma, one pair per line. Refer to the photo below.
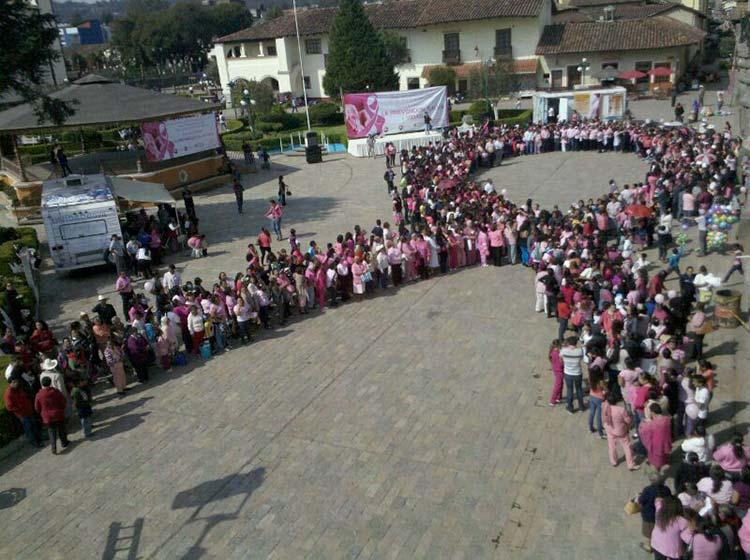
[483,245]
[656,436]
[617,424]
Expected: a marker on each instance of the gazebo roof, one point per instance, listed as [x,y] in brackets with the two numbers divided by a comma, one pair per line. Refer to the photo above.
[102,101]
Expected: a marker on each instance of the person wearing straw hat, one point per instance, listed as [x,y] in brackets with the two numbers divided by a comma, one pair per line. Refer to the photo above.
[49,369]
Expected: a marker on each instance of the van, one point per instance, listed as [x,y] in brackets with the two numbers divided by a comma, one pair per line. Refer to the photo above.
[80,217]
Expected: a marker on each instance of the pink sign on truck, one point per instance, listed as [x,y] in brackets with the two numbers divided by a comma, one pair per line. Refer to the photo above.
[394,112]
[174,138]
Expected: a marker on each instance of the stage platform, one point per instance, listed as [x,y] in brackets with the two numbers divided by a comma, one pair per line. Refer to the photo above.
[358,146]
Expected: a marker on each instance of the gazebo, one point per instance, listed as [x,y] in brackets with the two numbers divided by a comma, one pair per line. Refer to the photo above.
[98,102]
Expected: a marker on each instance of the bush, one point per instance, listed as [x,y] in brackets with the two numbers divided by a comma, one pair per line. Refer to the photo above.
[8,234]
[91,137]
[442,76]
[524,117]
[456,116]
[326,114]
[268,127]
[479,110]
[288,121]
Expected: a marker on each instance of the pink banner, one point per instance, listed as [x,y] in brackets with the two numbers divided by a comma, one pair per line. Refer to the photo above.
[179,137]
[394,112]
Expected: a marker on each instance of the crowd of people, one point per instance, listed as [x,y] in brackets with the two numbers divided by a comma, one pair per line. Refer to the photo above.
[639,343]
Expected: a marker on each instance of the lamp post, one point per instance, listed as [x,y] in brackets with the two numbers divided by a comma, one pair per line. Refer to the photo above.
[301,67]
[248,104]
[487,65]
[582,69]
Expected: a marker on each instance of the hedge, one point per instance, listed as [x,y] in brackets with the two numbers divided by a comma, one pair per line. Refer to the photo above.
[288,121]
[326,114]
[522,118]
[10,427]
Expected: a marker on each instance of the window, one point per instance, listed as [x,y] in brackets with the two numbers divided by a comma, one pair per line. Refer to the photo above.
[503,45]
[271,50]
[451,42]
[412,83]
[574,76]
[308,84]
[615,65]
[556,79]
[404,44]
[452,52]
[313,46]
[662,79]
[643,66]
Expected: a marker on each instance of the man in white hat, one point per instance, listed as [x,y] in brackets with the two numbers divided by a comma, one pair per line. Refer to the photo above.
[49,369]
[105,310]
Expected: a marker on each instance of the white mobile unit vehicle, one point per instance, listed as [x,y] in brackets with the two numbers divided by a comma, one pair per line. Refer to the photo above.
[80,216]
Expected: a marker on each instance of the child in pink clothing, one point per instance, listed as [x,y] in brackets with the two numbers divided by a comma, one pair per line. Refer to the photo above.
[557,372]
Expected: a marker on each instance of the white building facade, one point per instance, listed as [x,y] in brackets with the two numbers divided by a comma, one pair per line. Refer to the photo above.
[541,43]
[268,52]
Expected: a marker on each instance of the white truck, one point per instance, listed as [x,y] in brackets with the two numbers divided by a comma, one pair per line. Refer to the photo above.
[80,217]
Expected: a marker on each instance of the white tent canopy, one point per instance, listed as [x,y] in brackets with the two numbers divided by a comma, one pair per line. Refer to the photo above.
[140,191]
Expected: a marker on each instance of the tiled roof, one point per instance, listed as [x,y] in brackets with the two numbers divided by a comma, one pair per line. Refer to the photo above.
[628,34]
[393,14]
[520,66]
[602,3]
[621,11]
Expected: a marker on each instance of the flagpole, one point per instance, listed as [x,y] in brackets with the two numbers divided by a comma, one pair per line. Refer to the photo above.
[301,67]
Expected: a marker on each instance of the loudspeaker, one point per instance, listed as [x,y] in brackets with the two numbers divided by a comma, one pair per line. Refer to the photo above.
[312,138]
[313,154]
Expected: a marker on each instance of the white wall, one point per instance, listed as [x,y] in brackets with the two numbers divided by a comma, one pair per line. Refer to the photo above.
[426,45]
[625,61]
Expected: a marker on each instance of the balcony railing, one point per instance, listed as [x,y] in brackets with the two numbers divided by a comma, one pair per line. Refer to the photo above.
[452,57]
[503,52]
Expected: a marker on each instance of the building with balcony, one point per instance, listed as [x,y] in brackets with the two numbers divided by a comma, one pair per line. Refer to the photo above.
[540,43]
[436,33]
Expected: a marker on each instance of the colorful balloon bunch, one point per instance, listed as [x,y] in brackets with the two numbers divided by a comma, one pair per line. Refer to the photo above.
[719,220]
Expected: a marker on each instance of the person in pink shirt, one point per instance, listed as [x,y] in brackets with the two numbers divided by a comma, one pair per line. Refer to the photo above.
[733,456]
[497,242]
[617,424]
[124,287]
[274,213]
[671,531]
[656,436]
[557,372]
[483,246]
[744,534]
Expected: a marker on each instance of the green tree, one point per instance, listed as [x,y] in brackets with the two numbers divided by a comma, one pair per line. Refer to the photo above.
[228,18]
[26,50]
[273,12]
[395,47]
[144,8]
[357,58]
[442,76]
[257,91]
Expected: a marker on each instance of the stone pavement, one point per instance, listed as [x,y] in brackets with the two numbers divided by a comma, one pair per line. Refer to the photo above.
[413,425]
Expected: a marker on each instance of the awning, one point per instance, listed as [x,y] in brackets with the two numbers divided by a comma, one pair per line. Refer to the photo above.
[140,191]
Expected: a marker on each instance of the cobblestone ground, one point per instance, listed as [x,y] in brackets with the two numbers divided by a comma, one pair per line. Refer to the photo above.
[413,425]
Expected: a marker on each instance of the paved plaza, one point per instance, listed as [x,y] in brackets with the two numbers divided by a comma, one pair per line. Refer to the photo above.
[413,425]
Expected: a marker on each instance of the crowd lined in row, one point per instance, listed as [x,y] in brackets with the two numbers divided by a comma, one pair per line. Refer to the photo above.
[636,340]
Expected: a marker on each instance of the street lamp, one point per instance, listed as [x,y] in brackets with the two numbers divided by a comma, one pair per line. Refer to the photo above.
[487,65]
[248,104]
[582,69]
